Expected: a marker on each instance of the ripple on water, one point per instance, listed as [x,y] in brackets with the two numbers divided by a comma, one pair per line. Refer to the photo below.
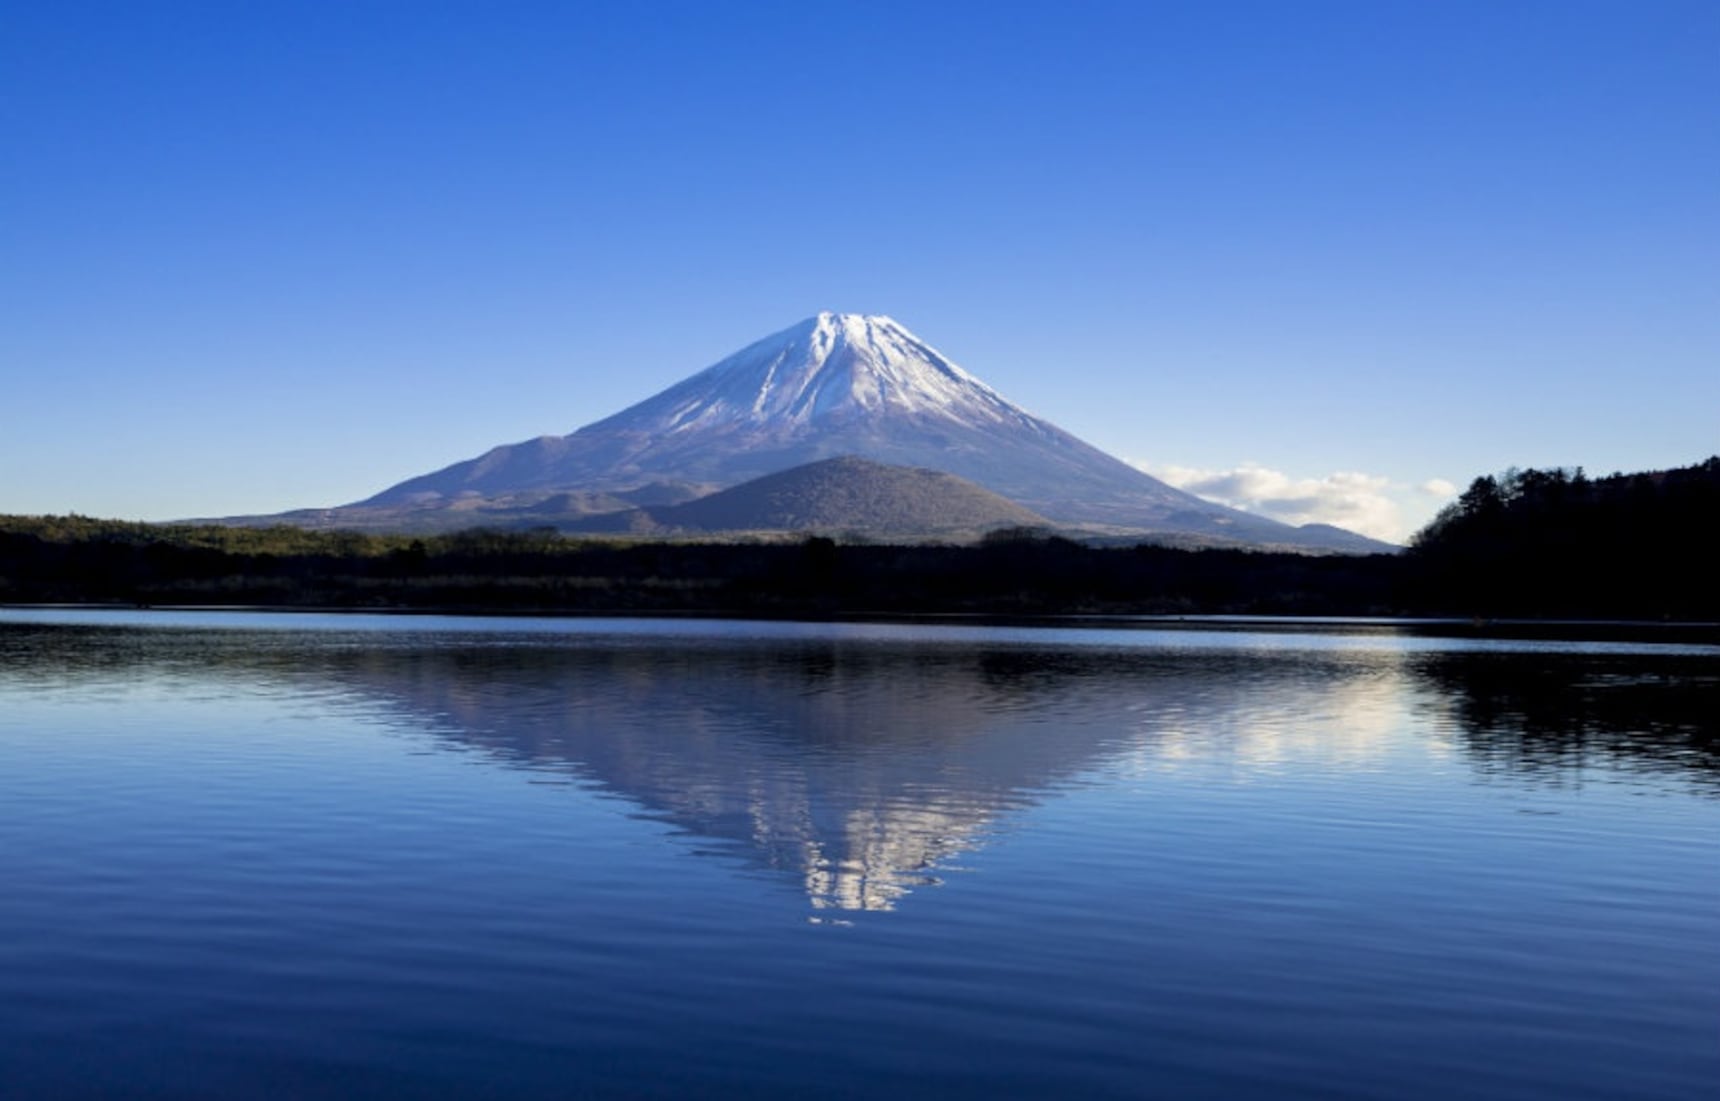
[616,859]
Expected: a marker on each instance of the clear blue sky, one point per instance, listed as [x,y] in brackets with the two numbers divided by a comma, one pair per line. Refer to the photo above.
[260,256]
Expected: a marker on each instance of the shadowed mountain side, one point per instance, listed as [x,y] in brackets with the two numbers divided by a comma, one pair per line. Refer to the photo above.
[524,510]
[837,495]
[1342,540]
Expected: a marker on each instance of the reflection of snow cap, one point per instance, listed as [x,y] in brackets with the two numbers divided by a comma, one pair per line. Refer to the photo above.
[891,851]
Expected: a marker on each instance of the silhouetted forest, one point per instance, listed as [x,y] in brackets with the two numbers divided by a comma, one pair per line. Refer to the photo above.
[72,559]
[1530,543]
[1558,543]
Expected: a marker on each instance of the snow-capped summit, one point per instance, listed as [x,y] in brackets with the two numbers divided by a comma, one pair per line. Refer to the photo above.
[836,384]
[827,369]
[836,364]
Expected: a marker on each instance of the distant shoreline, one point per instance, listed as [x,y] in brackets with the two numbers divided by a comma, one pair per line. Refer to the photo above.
[1526,629]
[1483,570]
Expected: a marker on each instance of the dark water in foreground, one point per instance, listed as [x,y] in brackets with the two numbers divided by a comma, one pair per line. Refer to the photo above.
[298,856]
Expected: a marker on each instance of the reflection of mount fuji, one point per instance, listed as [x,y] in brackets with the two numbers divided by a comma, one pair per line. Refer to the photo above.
[860,770]
[859,767]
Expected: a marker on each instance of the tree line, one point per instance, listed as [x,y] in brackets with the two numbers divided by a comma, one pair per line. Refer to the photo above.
[1529,543]
[1558,543]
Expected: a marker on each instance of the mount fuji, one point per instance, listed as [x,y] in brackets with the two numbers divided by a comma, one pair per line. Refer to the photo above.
[834,385]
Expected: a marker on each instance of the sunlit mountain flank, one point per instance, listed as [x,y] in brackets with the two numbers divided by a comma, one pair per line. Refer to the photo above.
[834,385]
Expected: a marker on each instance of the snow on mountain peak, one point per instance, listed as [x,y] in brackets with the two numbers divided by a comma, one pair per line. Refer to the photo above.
[834,365]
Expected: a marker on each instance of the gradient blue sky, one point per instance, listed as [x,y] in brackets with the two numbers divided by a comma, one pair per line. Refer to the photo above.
[261,256]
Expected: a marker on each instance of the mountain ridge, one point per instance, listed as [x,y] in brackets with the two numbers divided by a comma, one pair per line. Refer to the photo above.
[828,386]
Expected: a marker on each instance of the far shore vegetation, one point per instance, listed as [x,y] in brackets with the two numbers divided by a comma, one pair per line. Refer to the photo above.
[1525,544]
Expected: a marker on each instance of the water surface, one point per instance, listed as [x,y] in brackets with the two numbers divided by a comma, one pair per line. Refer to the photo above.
[324,856]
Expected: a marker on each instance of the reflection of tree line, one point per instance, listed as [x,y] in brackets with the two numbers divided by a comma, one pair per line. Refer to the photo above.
[1550,717]
[860,768]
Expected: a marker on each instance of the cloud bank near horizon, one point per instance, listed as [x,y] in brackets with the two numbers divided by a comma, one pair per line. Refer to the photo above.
[1366,503]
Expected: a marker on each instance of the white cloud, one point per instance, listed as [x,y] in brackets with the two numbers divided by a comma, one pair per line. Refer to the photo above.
[1349,499]
[1438,487]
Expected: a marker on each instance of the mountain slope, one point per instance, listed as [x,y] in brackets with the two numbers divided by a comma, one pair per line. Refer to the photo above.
[844,494]
[841,384]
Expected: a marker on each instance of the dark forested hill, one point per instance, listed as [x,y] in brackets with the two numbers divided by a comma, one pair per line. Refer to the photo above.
[1556,542]
[837,495]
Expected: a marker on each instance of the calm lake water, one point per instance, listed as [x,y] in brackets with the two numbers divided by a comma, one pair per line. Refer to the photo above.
[249,855]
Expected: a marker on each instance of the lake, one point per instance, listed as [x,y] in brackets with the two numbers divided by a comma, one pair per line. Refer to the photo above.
[307,856]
